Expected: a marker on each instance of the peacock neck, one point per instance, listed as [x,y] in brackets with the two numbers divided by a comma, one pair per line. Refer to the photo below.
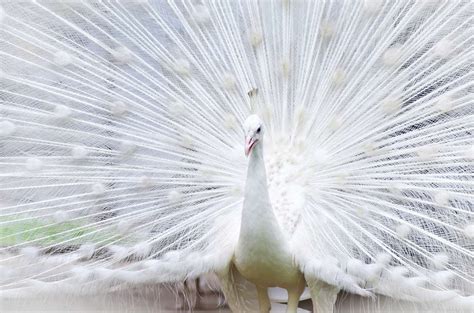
[256,190]
[256,174]
[257,212]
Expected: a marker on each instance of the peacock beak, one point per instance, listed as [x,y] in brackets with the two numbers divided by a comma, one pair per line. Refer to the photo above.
[249,143]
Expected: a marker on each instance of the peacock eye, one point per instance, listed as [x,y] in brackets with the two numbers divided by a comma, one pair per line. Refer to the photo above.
[258,130]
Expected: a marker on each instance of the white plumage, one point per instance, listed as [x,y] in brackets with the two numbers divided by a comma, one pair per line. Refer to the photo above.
[122,144]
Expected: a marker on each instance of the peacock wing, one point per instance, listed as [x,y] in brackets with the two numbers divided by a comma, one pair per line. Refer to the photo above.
[323,295]
[240,294]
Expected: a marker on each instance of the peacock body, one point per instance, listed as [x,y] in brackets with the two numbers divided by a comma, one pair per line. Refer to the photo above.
[122,127]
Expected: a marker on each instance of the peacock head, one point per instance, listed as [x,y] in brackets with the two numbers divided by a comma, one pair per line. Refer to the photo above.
[253,128]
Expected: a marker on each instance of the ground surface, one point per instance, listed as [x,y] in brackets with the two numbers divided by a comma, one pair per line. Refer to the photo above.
[147,301]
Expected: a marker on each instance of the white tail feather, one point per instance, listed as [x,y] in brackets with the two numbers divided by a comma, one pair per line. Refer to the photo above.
[121,157]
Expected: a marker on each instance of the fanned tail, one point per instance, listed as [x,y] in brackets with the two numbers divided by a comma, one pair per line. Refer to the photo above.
[121,158]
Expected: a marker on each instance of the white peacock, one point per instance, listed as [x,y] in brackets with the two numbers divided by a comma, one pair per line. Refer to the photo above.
[122,128]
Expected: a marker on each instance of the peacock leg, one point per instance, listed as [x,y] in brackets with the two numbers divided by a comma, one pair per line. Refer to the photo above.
[294,298]
[263,300]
